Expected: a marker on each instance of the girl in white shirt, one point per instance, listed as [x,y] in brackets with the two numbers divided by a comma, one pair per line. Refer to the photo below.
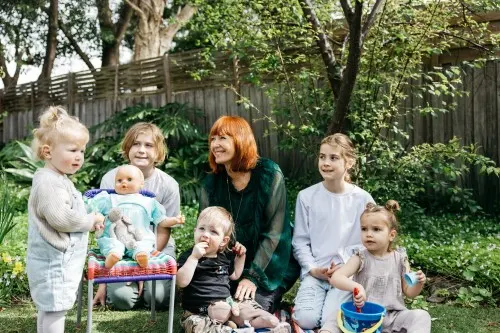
[327,231]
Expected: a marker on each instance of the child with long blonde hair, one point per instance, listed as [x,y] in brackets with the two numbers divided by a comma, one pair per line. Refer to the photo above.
[326,230]
[58,224]
[378,274]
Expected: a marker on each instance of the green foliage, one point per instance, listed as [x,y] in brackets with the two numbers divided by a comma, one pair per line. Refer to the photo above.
[460,247]
[184,236]
[188,147]
[22,161]
[427,176]
[13,279]
[473,297]
[417,302]
[7,209]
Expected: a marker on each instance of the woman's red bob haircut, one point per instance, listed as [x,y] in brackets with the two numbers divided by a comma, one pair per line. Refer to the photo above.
[245,147]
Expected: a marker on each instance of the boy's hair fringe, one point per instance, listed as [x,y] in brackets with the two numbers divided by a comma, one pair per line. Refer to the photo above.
[55,125]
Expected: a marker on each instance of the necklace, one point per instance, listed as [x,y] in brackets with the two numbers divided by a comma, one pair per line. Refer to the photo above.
[230,204]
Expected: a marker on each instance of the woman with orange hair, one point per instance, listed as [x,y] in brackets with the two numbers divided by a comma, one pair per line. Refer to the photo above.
[253,189]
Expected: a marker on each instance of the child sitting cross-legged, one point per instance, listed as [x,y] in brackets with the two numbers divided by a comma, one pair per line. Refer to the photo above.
[204,274]
[378,274]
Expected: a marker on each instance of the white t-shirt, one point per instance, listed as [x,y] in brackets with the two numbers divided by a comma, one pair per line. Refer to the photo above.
[327,225]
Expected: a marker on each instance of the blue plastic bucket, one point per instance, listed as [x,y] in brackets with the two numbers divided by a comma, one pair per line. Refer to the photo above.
[369,320]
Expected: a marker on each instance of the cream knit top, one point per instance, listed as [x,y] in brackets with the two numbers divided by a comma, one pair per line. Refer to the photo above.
[50,208]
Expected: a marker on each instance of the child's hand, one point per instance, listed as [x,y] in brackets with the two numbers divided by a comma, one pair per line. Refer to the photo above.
[320,273]
[360,298]
[332,269]
[421,277]
[180,219]
[199,250]
[239,249]
[98,222]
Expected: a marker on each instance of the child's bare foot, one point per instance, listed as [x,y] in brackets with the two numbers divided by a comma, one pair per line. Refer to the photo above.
[142,259]
[111,260]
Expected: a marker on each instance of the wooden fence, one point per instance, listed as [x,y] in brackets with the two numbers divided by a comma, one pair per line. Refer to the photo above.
[94,96]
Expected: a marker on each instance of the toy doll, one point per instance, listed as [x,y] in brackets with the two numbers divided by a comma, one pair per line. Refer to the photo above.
[134,207]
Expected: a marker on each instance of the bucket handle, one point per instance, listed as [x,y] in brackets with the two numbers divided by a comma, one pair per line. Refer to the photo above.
[372,329]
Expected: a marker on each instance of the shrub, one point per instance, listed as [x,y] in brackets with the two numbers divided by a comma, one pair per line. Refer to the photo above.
[13,279]
[184,238]
[461,247]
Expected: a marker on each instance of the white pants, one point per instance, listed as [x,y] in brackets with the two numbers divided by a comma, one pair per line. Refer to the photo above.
[316,300]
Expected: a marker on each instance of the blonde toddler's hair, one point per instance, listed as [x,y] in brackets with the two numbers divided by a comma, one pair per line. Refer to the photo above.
[347,149]
[56,126]
[218,214]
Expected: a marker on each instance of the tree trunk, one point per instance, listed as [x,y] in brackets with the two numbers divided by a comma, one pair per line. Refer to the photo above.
[51,46]
[350,72]
[152,38]
[48,61]
[111,46]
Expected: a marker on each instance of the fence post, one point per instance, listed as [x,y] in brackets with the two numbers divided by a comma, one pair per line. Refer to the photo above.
[167,79]
[115,90]
[69,96]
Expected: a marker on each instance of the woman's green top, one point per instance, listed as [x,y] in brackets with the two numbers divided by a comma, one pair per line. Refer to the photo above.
[261,217]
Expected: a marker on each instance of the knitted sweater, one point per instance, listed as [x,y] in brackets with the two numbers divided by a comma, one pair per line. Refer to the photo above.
[50,208]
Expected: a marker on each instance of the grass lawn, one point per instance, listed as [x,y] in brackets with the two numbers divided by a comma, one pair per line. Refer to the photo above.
[22,319]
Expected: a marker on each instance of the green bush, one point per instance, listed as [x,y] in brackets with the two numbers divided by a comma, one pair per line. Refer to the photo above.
[184,237]
[460,247]
[13,279]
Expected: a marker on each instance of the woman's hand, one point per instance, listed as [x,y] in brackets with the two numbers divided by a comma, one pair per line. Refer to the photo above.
[100,295]
[246,290]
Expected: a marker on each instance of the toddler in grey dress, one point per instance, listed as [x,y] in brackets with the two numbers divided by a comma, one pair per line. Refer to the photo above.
[378,274]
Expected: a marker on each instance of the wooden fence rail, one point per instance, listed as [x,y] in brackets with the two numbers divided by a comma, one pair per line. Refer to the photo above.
[93,96]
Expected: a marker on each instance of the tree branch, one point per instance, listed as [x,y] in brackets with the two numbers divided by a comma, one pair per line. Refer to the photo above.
[371,19]
[74,44]
[167,34]
[346,8]
[325,47]
[143,19]
[123,22]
